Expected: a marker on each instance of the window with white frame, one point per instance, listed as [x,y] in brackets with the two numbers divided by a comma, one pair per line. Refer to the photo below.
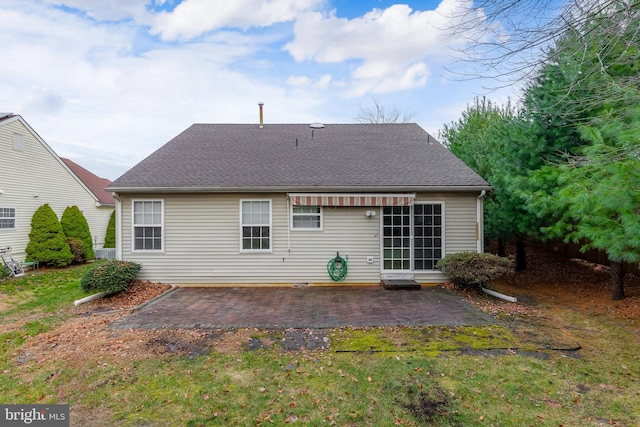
[7,218]
[306,218]
[147,225]
[255,225]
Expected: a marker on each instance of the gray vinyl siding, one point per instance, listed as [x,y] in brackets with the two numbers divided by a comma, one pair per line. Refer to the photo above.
[460,226]
[201,243]
[36,170]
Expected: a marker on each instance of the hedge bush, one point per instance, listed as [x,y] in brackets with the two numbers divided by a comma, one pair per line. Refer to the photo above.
[471,269]
[112,276]
[74,224]
[47,241]
[78,250]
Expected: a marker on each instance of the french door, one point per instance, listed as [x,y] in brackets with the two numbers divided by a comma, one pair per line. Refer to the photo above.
[412,237]
[396,238]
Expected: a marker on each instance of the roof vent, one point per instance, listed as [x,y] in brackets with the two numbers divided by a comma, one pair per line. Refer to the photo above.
[314,126]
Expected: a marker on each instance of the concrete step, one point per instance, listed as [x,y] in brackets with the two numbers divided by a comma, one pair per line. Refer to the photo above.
[392,284]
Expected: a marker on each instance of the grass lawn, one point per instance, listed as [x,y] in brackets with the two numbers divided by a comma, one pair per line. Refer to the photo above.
[521,372]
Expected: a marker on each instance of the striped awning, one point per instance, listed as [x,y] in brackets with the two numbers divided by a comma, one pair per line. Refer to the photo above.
[343,199]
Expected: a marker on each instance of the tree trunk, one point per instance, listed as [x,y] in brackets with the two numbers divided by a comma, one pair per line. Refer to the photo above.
[521,255]
[502,247]
[617,280]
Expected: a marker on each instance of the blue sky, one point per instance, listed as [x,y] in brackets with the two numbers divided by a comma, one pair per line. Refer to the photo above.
[105,83]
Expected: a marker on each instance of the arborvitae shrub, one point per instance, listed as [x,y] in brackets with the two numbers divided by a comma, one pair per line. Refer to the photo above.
[74,224]
[471,269]
[112,276]
[47,242]
[110,236]
[78,250]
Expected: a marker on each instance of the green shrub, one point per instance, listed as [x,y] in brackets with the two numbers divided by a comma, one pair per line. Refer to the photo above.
[110,236]
[471,269]
[112,276]
[78,250]
[47,241]
[74,224]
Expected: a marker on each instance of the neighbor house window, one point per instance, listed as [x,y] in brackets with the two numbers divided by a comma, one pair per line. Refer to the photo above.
[306,218]
[255,225]
[7,218]
[147,225]
[18,142]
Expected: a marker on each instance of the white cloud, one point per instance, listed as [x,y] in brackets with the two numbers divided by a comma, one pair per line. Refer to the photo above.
[299,81]
[324,81]
[192,18]
[393,44]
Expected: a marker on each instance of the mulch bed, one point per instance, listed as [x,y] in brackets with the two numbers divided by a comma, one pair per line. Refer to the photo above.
[136,293]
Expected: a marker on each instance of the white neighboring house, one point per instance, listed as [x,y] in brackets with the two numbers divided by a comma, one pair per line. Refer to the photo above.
[242,204]
[32,174]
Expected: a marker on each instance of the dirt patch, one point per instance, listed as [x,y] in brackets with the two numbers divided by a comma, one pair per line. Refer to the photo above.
[553,280]
[305,339]
[428,403]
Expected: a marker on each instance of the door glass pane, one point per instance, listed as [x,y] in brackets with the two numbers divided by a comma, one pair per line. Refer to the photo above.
[427,223]
[396,230]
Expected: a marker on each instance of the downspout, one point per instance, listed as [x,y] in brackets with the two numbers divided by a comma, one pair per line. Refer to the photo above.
[118,226]
[480,222]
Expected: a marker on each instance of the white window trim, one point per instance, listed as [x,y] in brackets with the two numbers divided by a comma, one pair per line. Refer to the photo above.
[133,227]
[15,218]
[240,225]
[412,258]
[442,247]
[291,214]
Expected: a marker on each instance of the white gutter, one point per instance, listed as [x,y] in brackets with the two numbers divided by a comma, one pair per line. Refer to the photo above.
[303,189]
[480,222]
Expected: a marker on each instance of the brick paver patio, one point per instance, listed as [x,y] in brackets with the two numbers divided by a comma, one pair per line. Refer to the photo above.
[313,307]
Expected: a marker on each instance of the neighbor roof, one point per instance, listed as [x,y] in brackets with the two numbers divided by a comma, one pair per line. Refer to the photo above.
[244,157]
[94,183]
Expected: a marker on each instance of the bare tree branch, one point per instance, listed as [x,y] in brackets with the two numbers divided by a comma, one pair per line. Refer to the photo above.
[378,113]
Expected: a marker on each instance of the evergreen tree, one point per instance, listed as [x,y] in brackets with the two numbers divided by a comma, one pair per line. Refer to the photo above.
[75,225]
[489,138]
[592,99]
[110,236]
[47,242]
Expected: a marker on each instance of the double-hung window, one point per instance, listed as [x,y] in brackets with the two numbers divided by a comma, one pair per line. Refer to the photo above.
[7,218]
[306,218]
[255,225]
[147,225]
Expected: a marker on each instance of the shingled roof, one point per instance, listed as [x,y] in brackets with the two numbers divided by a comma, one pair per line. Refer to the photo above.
[94,183]
[285,157]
